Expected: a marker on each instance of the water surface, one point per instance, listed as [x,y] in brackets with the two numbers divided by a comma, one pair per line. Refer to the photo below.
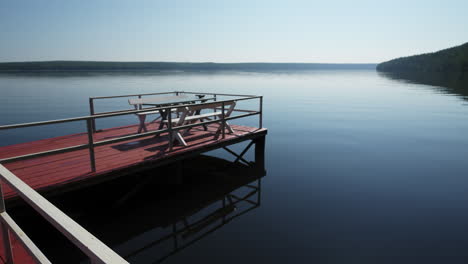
[361,168]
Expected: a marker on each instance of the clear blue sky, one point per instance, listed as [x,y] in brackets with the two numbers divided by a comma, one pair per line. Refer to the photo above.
[229,31]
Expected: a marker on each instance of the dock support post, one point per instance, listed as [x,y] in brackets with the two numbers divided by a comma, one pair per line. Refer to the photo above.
[89,123]
[5,232]
[260,152]
[91,112]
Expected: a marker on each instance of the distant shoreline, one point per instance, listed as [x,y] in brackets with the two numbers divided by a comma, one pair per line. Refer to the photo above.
[78,66]
[449,60]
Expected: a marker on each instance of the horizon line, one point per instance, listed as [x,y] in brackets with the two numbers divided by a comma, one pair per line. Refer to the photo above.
[205,62]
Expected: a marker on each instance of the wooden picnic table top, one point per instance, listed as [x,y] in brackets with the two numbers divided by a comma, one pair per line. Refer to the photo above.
[162,100]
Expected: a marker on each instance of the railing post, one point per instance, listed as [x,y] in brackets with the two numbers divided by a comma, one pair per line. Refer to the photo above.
[260,118]
[2,201]
[91,112]
[5,232]
[169,123]
[214,109]
[223,121]
[92,160]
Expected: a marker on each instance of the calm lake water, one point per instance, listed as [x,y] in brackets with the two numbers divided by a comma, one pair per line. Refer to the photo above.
[361,168]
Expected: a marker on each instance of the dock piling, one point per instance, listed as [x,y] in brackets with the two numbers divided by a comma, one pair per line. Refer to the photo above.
[260,151]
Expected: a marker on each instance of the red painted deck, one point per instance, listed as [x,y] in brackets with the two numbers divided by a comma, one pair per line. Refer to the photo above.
[59,170]
[20,254]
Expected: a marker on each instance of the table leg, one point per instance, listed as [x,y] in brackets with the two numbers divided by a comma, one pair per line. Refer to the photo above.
[163,117]
[201,119]
[142,126]
[200,96]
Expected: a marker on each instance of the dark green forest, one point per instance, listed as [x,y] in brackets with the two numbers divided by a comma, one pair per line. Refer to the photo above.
[169,66]
[448,60]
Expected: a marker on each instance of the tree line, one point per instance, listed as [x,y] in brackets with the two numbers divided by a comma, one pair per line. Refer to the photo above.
[449,60]
[169,66]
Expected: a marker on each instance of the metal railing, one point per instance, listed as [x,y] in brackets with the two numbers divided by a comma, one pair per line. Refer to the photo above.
[91,125]
[97,251]
[92,111]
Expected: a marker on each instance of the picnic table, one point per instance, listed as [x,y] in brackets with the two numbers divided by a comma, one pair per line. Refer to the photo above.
[192,114]
[162,101]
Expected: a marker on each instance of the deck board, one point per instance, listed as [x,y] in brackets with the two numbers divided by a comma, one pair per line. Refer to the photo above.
[57,170]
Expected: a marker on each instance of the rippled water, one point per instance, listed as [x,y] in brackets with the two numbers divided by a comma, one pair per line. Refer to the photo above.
[361,168]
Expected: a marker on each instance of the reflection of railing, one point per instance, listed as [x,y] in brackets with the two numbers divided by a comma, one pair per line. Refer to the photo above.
[206,225]
[97,251]
[91,127]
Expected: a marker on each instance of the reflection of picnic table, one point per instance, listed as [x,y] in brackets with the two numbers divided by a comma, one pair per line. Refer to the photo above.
[139,103]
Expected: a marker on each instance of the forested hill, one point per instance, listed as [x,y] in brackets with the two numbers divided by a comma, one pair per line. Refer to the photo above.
[169,66]
[449,60]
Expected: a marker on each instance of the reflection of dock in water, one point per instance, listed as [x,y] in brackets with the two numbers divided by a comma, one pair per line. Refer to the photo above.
[162,217]
[207,209]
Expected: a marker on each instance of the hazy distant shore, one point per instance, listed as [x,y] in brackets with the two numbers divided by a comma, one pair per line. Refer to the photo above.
[171,66]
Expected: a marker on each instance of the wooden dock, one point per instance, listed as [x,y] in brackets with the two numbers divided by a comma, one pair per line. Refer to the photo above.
[59,172]
[56,165]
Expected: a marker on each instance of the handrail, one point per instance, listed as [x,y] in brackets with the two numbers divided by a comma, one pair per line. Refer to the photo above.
[145,94]
[240,95]
[96,250]
[115,140]
[119,139]
[44,153]
[49,122]
[91,126]
[91,100]
[127,95]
